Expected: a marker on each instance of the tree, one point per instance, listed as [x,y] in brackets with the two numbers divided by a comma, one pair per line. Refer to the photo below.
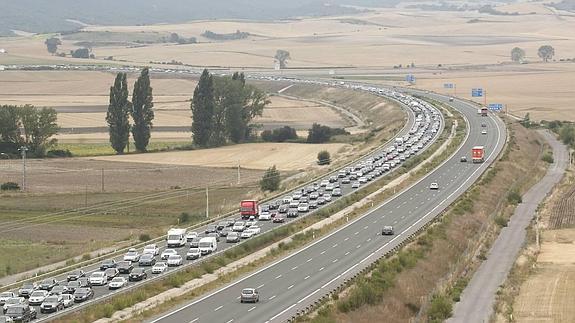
[174,38]
[118,114]
[271,180]
[279,134]
[546,52]
[281,57]
[567,134]
[81,53]
[239,77]
[142,110]
[10,124]
[52,44]
[323,158]
[318,134]
[39,125]
[203,109]
[517,54]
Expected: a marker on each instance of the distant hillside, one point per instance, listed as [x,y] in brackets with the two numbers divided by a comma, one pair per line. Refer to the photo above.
[568,5]
[66,15]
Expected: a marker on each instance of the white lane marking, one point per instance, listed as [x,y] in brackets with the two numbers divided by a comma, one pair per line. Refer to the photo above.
[218,308]
[321,253]
[368,240]
[365,228]
[375,221]
[394,222]
[290,287]
[335,260]
[294,268]
[260,286]
[358,246]
[346,239]
[310,259]
[335,245]
[238,297]
[273,297]
[230,321]
[347,253]
[356,233]
[278,276]
[321,268]
[194,320]
[306,277]
[251,309]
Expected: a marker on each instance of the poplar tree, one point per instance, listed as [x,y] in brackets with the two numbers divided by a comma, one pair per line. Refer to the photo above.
[203,109]
[142,110]
[118,114]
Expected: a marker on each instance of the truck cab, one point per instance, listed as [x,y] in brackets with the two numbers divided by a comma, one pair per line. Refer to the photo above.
[249,208]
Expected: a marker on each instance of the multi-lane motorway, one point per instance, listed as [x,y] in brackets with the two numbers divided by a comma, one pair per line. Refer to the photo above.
[428,111]
[294,282]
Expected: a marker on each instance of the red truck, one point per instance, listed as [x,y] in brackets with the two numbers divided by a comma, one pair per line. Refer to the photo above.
[478,154]
[249,208]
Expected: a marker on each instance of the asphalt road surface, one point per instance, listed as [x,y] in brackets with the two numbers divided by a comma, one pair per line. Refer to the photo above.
[478,297]
[292,283]
[102,292]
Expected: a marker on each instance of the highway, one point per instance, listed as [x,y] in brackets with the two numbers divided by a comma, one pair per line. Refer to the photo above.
[296,281]
[102,292]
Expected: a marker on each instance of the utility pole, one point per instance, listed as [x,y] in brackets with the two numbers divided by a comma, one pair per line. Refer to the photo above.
[239,175]
[23,149]
[207,203]
[102,180]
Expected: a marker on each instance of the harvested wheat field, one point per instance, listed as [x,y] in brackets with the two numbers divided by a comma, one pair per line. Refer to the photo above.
[286,156]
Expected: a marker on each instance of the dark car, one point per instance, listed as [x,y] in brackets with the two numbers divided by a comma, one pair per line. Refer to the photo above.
[52,303]
[275,205]
[112,272]
[283,209]
[147,260]
[59,289]
[210,229]
[292,213]
[27,289]
[83,294]
[72,285]
[21,313]
[387,230]
[279,219]
[138,274]
[221,225]
[125,267]
[75,275]
[110,263]
[195,243]
[230,223]
[463,159]
[85,282]
[224,232]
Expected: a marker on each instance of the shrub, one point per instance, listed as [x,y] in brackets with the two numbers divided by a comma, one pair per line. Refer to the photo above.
[548,158]
[144,237]
[279,134]
[440,309]
[10,186]
[323,158]
[500,221]
[55,153]
[271,180]
[184,217]
[514,198]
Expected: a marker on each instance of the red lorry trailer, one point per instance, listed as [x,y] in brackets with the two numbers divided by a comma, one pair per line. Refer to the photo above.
[249,208]
[478,154]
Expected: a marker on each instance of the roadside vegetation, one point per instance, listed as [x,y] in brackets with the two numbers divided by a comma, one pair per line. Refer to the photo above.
[424,279]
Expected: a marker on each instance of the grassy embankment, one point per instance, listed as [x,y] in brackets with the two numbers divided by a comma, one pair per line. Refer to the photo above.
[106,309]
[426,277]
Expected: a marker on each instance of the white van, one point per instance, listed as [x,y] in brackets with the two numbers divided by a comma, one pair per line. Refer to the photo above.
[176,237]
[208,245]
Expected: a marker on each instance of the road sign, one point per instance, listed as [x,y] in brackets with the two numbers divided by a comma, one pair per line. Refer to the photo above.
[410,78]
[495,106]
[478,92]
[448,85]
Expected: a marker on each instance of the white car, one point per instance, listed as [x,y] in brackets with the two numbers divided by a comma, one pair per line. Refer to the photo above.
[434,186]
[304,207]
[239,226]
[191,235]
[167,253]
[247,234]
[152,249]
[37,297]
[250,223]
[329,187]
[5,296]
[265,216]
[327,197]
[255,229]
[14,301]
[363,180]
[193,253]
[293,204]
[117,282]
[159,268]
[68,300]
[175,260]
[132,255]
[355,184]
[98,278]
[483,132]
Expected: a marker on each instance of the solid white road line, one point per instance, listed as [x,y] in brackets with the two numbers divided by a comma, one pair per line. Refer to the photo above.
[218,308]
[251,309]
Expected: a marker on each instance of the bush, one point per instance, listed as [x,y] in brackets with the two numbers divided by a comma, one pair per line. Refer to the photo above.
[514,198]
[279,134]
[271,180]
[500,221]
[548,158]
[144,237]
[319,134]
[56,153]
[10,186]
[323,158]
[184,217]
[440,309]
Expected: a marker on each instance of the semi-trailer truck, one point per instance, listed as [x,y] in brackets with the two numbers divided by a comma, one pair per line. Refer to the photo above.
[249,208]
[478,154]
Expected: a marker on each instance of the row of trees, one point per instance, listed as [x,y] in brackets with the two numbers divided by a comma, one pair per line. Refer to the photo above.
[222,108]
[27,126]
[545,52]
[140,109]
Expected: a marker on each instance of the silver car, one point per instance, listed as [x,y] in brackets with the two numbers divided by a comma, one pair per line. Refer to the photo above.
[249,295]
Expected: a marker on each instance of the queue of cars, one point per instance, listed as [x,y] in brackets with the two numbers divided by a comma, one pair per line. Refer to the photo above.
[51,295]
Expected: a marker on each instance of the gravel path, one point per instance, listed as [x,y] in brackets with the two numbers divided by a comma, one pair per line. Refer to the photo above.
[478,298]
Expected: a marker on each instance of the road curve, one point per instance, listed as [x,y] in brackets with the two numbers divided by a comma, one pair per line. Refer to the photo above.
[297,280]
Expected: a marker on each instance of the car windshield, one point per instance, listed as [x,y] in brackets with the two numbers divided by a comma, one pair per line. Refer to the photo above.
[15,310]
[138,271]
[73,284]
[132,253]
[194,250]
[75,273]
[248,291]
[13,301]
[27,286]
[51,299]
[174,237]
[118,280]
[172,257]
[98,274]
[37,293]
[81,291]
[6,294]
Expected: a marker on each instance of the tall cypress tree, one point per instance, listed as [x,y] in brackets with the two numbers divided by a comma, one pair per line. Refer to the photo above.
[118,114]
[203,109]
[142,112]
